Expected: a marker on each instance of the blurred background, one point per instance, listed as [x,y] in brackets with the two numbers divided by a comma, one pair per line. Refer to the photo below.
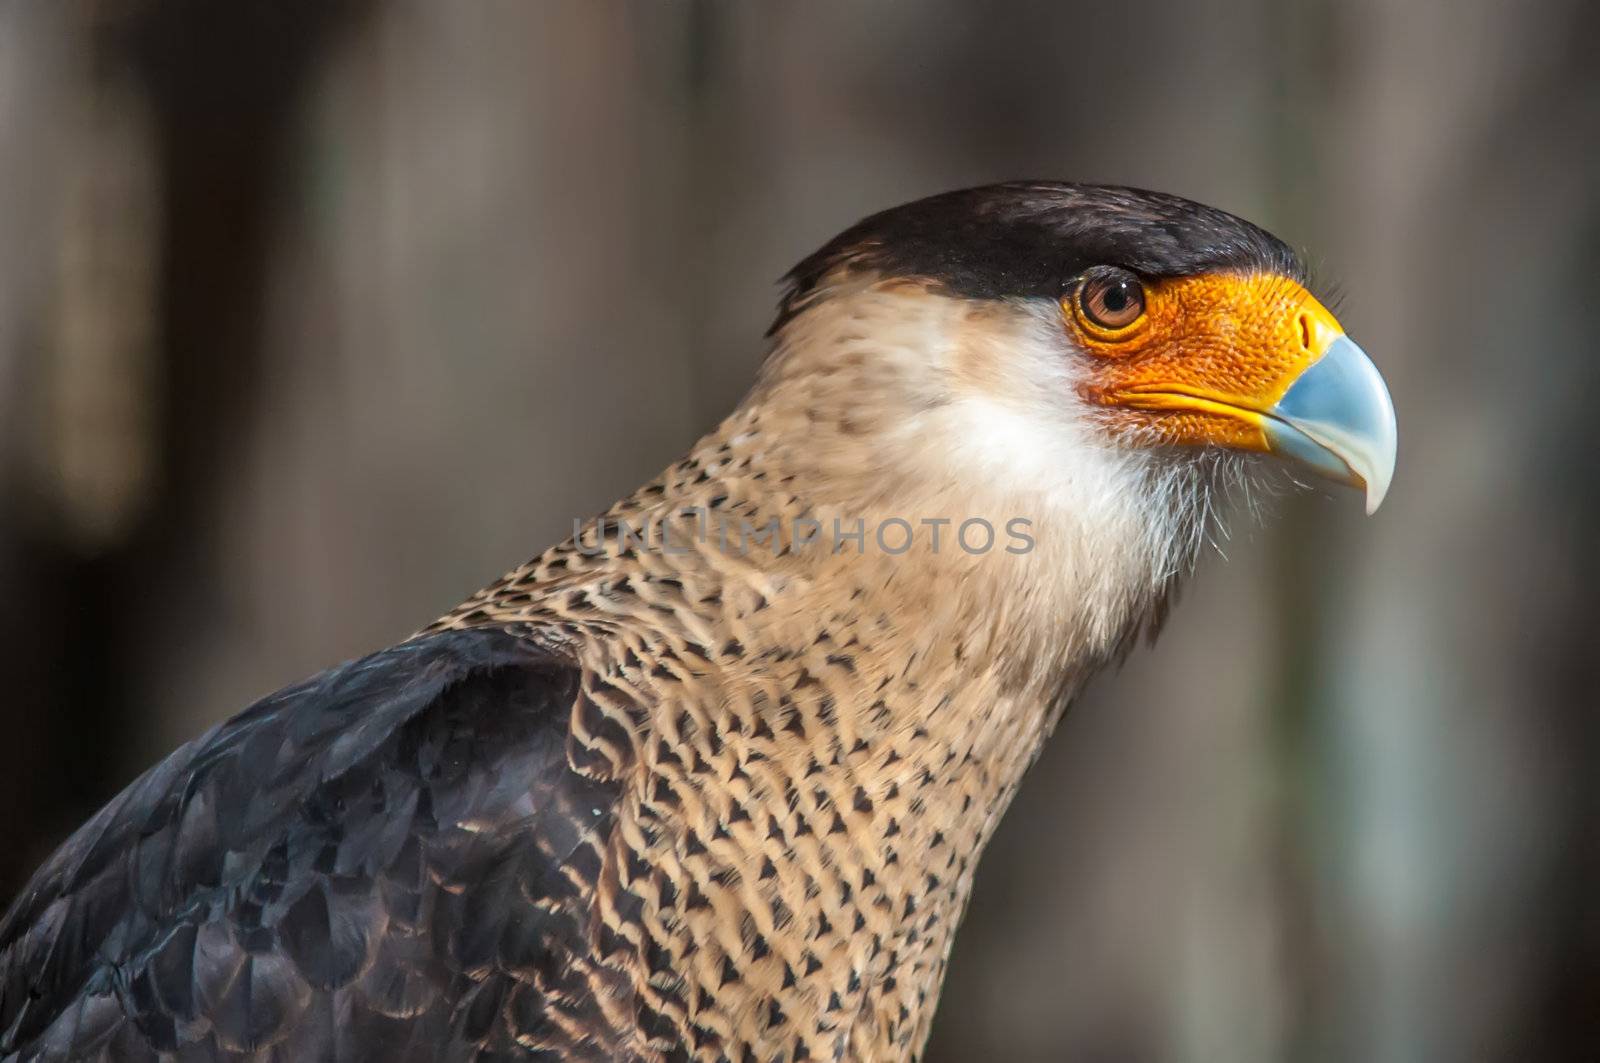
[315,316]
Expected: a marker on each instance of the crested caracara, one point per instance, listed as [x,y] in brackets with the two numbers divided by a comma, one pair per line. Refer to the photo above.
[710,779]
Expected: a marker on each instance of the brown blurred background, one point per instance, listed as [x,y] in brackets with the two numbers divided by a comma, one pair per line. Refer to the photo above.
[315,316]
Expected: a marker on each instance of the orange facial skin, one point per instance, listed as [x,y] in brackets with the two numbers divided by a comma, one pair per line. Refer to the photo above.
[1208,358]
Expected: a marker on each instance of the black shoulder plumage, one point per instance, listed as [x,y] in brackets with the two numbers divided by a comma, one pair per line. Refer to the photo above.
[353,868]
[1034,238]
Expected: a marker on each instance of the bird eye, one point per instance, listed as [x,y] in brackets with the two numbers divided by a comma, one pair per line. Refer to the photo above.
[1111,299]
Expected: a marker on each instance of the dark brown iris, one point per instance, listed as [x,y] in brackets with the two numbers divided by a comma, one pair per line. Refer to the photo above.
[1111,298]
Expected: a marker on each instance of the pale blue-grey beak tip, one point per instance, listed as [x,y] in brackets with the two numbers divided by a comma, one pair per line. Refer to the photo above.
[1338,420]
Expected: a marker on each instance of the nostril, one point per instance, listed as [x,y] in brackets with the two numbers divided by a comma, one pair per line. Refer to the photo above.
[1304,321]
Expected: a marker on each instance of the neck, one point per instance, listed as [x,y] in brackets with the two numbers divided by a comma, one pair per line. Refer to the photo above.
[875,702]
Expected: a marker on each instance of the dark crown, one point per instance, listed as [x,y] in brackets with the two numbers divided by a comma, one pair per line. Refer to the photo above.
[1033,238]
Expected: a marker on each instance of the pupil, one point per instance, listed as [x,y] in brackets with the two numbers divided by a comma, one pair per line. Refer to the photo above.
[1116,298]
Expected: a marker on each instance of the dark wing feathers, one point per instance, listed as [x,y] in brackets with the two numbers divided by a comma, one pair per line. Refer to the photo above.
[385,862]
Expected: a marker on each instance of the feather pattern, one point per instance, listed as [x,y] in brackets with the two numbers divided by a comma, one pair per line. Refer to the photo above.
[358,867]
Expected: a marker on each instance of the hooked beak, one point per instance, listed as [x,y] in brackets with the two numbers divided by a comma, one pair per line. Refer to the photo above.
[1257,363]
[1337,420]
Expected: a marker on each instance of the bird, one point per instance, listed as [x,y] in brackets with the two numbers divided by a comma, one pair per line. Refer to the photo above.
[710,779]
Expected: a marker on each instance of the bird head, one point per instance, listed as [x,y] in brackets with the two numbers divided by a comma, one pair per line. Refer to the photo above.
[1076,318]
[1103,364]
